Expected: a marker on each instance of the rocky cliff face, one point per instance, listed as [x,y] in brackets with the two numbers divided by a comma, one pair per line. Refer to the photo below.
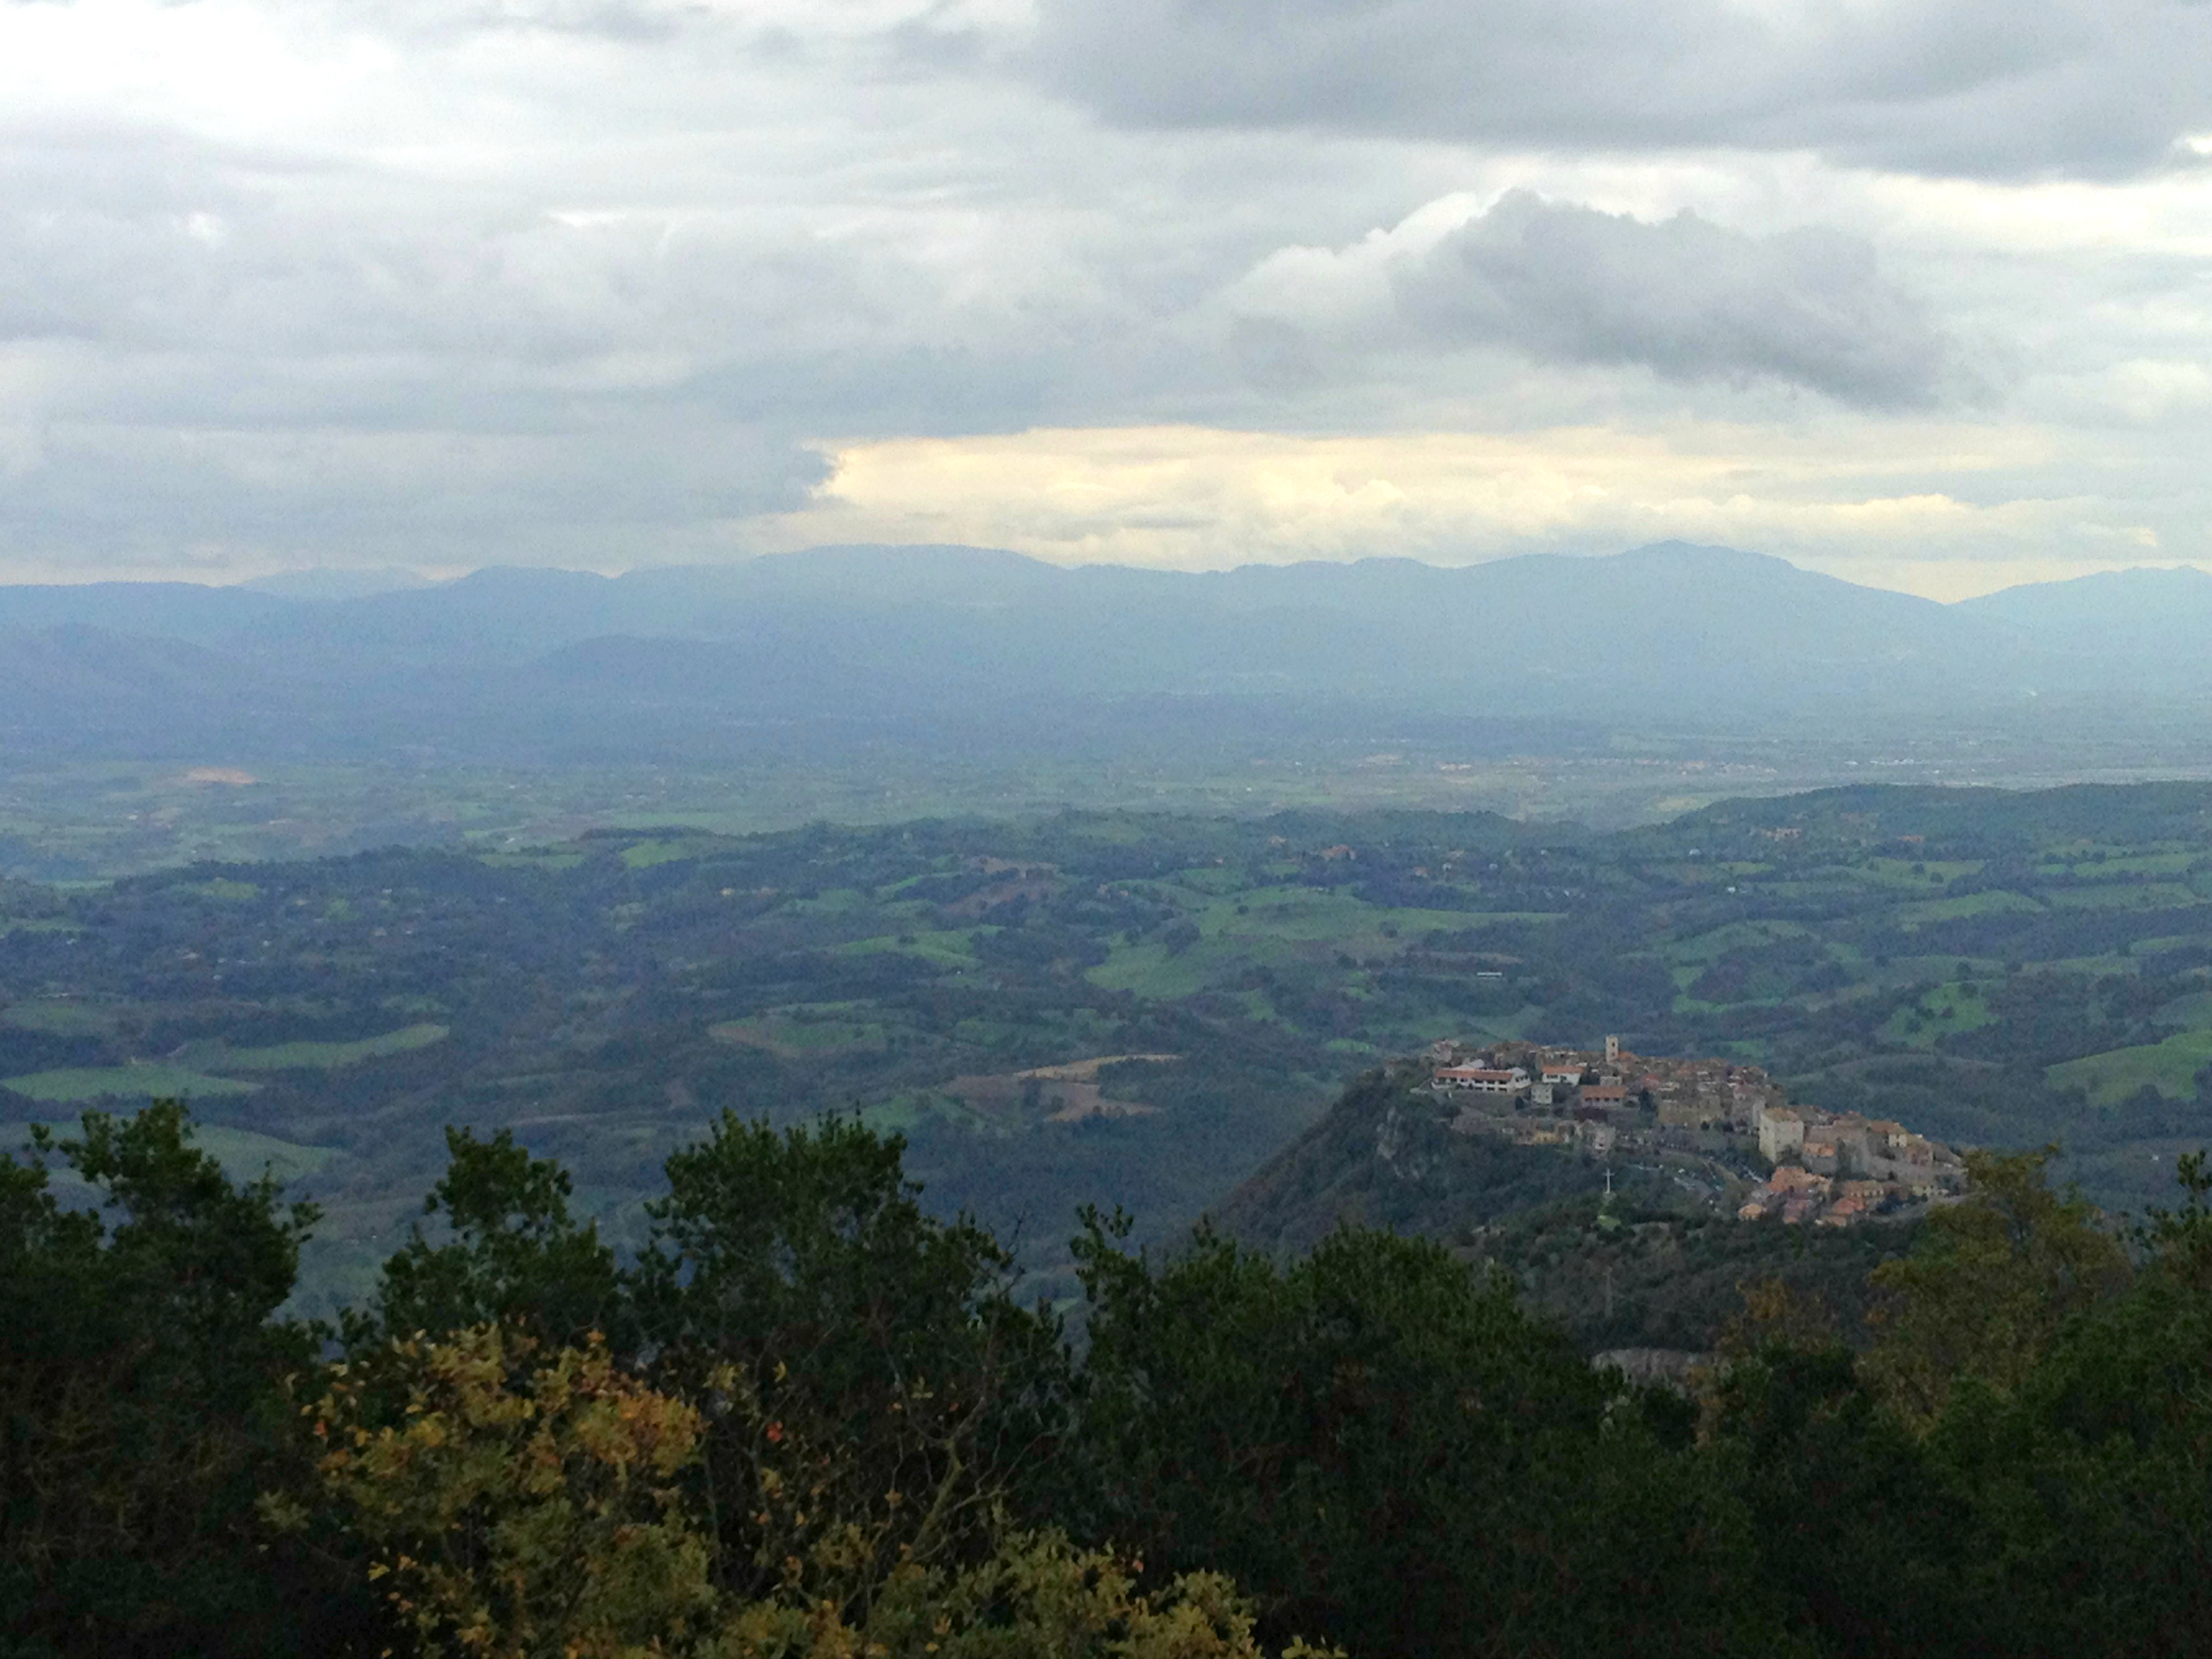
[1383,1155]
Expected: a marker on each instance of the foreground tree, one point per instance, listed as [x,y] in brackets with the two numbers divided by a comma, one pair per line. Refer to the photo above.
[816,1408]
[796,1270]
[530,1504]
[141,1406]
[2093,1472]
[2023,1464]
[515,1506]
[1989,1284]
[1852,1520]
[1391,1455]
[512,1252]
[802,1264]
[1034,1594]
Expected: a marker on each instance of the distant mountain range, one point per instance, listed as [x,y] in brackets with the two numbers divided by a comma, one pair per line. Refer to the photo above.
[961,644]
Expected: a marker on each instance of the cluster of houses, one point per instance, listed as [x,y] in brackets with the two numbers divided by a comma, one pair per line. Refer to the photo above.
[1831,1169]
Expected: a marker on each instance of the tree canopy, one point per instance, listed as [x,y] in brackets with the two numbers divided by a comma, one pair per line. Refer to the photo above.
[809,1420]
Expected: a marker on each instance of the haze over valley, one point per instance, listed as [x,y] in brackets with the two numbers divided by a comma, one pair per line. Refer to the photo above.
[145,723]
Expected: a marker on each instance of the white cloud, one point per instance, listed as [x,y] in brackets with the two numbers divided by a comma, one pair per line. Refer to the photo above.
[599,280]
[2150,391]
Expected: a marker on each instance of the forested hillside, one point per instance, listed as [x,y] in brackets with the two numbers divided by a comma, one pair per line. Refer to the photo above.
[1132,1009]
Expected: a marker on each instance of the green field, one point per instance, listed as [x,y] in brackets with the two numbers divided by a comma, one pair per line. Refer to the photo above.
[1736,936]
[153,1081]
[2143,896]
[1151,970]
[1303,917]
[1918,873]
[795,1034]
[60,1018]
[2001,903]
[2115,869]
[2169,1066]
[244,1152]
[327,1056]
[645,854]
[534,857]
[221,888]
[947,947]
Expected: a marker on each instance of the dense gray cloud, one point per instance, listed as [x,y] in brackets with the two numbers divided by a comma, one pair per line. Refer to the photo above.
[212,352]
[1684,298]
[147,496]
[1995,87]
[220,356]
[602,282]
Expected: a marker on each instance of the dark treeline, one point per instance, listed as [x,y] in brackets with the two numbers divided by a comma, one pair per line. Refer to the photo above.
[807,1417]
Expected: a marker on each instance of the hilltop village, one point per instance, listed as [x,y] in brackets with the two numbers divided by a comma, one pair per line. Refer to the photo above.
[1732,1121]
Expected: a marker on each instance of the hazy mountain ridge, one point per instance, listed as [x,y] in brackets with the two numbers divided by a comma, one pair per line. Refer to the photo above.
[2113,612]
[1670,634]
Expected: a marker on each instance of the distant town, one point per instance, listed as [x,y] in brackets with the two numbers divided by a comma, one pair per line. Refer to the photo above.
[1732,1124]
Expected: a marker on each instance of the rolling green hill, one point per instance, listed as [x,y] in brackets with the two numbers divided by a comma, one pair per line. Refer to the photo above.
[1991,967]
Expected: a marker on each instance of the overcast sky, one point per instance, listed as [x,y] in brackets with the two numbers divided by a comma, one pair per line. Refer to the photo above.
[1918,292]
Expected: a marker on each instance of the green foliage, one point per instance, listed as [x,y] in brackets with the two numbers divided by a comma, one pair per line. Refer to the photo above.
[2024,1466]
[512,1507]
[817,1427]
[870,1332]
[1034,1594]
[1848,1516]
[528,1506]
[1635,1272]
[514,1254]
[1390,1453]
[2094,1471]
[139,1369]
[1989,1284]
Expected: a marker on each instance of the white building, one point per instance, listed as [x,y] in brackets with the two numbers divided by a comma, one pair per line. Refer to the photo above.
[1483,1079]
[1781,1133]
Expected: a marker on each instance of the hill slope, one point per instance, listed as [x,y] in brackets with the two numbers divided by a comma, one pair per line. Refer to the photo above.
[1641,1268]
[1382,1157]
